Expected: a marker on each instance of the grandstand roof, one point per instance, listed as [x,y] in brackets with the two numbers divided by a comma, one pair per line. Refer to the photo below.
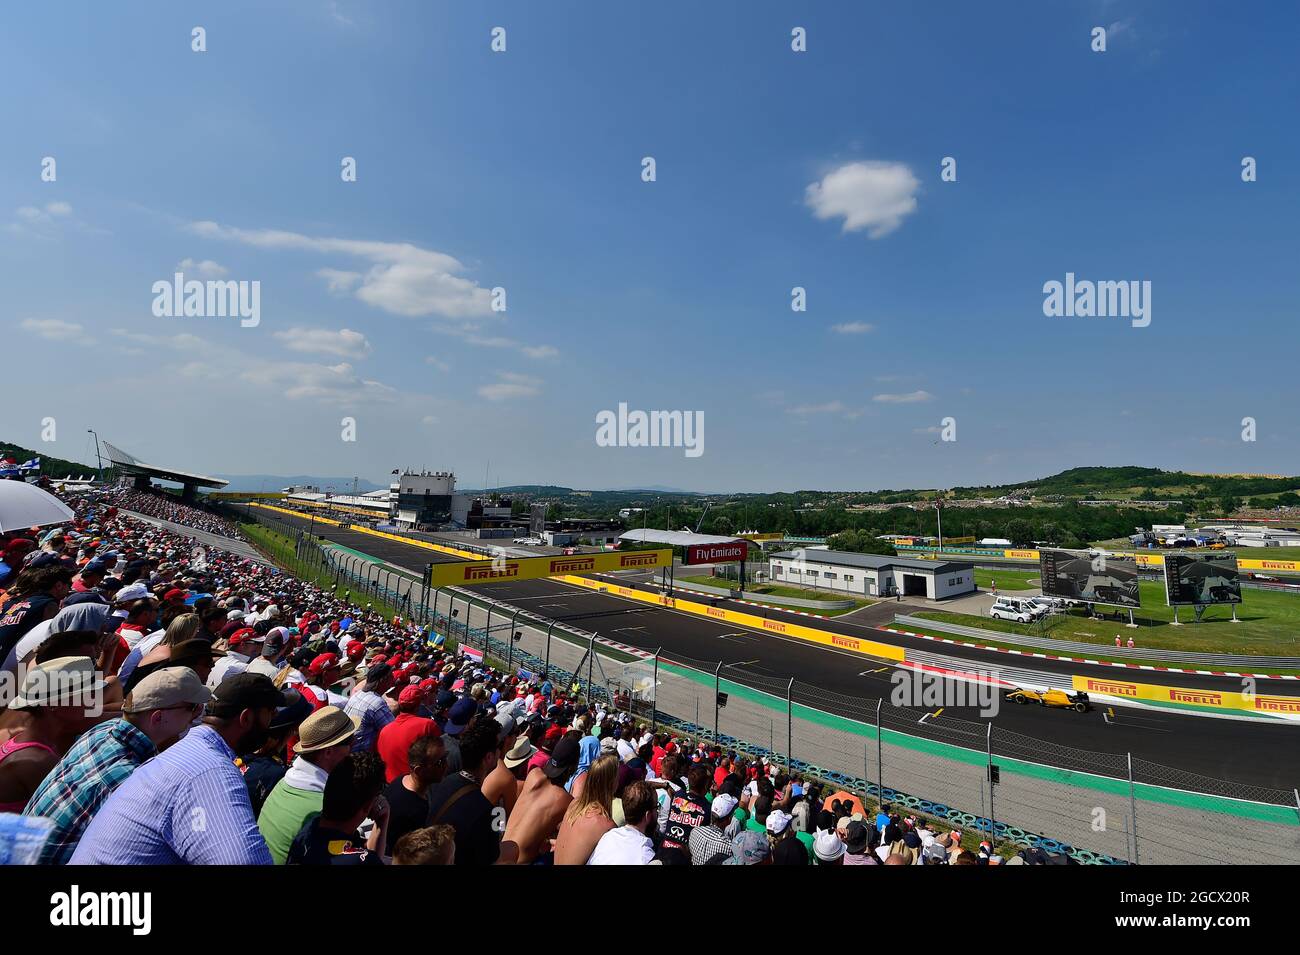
[133,465]
[675,538]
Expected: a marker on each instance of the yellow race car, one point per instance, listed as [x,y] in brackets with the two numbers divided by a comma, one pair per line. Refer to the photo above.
[1055,698]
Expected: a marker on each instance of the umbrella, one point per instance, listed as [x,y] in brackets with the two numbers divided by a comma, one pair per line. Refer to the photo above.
[24,505]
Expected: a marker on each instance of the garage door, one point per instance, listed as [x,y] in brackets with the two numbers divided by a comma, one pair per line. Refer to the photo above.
[913,585]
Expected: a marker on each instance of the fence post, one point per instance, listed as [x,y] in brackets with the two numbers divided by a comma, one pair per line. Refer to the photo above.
[654,698]
[548,649]
[1133,809]
[510,659]
[717,710]
[880,758]
[993,826]
[487,627]
[789,727]
[591,660]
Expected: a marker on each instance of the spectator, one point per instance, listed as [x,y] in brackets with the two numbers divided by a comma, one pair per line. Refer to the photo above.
[369,708]
[708,843]
[589,816]
[154,716]
[458,800]
[786,849]
[152,818]
[857,847]
[828,849]
[630,843]
[35,597]
[330,836]
[396,738]
[433,845]
[408,796]
[324,739]
[59,700]
[689,809]
[542,803]
[265,768]
[243,644]
[750,848]
[502,786]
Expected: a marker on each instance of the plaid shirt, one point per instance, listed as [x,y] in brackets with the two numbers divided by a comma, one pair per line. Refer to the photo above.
[373,715]
[74,790]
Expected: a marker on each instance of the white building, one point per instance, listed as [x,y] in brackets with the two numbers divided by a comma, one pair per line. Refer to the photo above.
[873,575]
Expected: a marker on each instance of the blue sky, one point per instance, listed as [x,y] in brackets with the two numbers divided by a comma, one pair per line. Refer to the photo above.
[522,170]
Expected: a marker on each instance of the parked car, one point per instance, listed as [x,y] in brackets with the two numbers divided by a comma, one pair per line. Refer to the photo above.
[1013,609]
[1050,604]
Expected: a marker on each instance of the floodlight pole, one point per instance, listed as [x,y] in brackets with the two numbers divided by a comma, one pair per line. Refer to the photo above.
[99,462]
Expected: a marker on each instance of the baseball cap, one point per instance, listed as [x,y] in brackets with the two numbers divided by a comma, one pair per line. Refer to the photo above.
[321,663]
[245,691]
[564,759]
[136,591]
[411,693]
[855,838]
[459,715]
[724,805]
[166,688]
[777,821]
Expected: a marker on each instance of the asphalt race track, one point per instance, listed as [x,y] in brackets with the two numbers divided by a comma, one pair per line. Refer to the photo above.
[1252,753]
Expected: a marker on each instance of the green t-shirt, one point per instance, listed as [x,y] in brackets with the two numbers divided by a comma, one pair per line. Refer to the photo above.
[284,814]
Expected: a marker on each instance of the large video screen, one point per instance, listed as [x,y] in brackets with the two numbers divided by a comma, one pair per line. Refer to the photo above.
[1202,579]
[1098,580]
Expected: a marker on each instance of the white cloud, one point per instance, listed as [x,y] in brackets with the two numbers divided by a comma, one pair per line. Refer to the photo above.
[869,195]
[910,397]
[55,330]
[429,419]
[853,328]
[511,385]
[829,407]
[207,268]
[470,333]
[182,341]
[338,280]
[437,363]
[59,209]
[328,384]
[403,279]
[345,343]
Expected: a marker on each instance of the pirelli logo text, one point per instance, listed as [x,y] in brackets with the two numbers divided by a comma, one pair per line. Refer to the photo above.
[490,572]
[573,565]
[638,560]
[1197,697]
[1278,704]
[715,612]
[1115,689]
[774,625]
[848,642]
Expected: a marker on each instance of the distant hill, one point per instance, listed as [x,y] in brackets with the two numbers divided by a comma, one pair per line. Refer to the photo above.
[51,466]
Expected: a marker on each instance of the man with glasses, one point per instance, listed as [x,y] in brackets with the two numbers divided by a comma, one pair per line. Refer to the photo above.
[155,714]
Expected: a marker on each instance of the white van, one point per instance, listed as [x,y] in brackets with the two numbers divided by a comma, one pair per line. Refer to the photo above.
[1014,608]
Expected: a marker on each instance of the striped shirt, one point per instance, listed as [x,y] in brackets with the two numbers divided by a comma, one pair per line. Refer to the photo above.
[73,792]
[374,715]
[187,805]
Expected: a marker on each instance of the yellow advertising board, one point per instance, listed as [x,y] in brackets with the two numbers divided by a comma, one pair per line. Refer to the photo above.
[1020,554]
[502,568]
[799,631]
[1262,704]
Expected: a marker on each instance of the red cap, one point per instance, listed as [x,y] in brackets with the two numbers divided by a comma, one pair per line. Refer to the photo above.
[553,735]
[356,650]
[174,594]
[326,661]
[428,683]
[377,658]
[243,635]
[411,693]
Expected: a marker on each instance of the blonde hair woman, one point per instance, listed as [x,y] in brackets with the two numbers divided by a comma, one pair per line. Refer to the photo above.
[182,628]
[589,816]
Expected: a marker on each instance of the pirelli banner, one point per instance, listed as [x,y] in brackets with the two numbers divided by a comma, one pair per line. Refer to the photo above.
[474,572]
[1261,704]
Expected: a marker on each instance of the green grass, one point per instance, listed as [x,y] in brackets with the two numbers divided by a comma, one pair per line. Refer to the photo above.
[778,591]
[1007,579]
[280,550]
[1270,625]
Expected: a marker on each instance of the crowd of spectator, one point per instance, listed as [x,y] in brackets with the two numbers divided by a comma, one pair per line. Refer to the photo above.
[167,507]
[222,712]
